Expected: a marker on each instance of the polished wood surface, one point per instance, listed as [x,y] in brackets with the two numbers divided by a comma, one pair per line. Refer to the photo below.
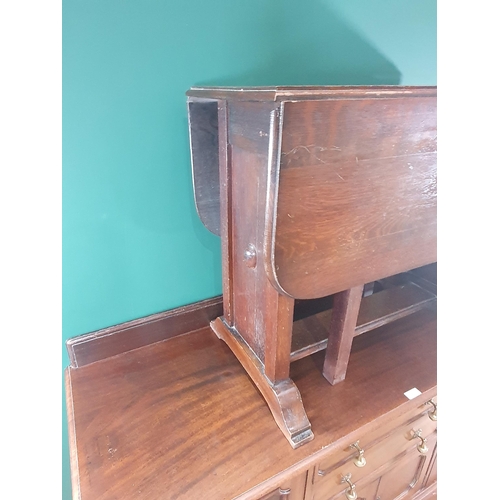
[255,302]
[322,189]
[180,419]
[102,344]
[278,395]
[304,92]
[357,193]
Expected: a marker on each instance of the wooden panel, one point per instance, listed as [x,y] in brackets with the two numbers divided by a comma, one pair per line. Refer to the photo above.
[249,132]
[406,476]
[357,193]
[141,332]
[204,142]
[181,419]
[245,221]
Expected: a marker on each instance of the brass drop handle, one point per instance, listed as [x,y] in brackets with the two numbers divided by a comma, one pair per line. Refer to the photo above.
[360,460]
[350,492]
[284,493]
[422,447]
[433,415]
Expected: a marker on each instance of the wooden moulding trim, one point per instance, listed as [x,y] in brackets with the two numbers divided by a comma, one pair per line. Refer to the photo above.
[283,398]
[75,478]
[102,344]
[427,492]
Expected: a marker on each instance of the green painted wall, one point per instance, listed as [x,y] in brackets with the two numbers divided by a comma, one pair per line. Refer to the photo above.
[132,242]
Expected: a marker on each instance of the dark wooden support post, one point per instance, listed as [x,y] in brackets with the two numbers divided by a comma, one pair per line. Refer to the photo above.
[344,315]
[278,324]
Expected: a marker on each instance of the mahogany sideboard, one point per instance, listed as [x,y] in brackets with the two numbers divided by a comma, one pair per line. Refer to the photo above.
[160,418]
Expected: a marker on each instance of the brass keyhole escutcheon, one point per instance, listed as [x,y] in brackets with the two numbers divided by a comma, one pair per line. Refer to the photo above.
[360,460]
[350,492]
[422,447]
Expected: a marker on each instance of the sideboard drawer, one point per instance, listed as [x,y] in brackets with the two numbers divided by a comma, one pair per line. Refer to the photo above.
[378,451]
[292,489]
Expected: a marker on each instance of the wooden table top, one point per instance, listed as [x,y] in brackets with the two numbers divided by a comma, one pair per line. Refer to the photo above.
[180,419]
[308,92]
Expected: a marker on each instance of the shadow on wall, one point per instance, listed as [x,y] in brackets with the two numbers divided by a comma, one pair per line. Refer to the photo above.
[310,44]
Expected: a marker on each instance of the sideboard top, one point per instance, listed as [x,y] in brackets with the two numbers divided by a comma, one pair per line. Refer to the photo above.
[287,93]
[180,419]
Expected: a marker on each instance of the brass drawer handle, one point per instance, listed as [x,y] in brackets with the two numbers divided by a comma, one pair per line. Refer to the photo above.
[433,415]
[422,447]
[360,460]
[350,492]
[284,493]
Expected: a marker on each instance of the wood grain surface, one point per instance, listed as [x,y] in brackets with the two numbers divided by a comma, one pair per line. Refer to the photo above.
[117,339]
[357,192]
[180,419]
[341,333]
[304,92]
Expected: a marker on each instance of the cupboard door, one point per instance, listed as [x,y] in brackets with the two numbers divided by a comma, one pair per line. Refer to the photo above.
[406,476]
